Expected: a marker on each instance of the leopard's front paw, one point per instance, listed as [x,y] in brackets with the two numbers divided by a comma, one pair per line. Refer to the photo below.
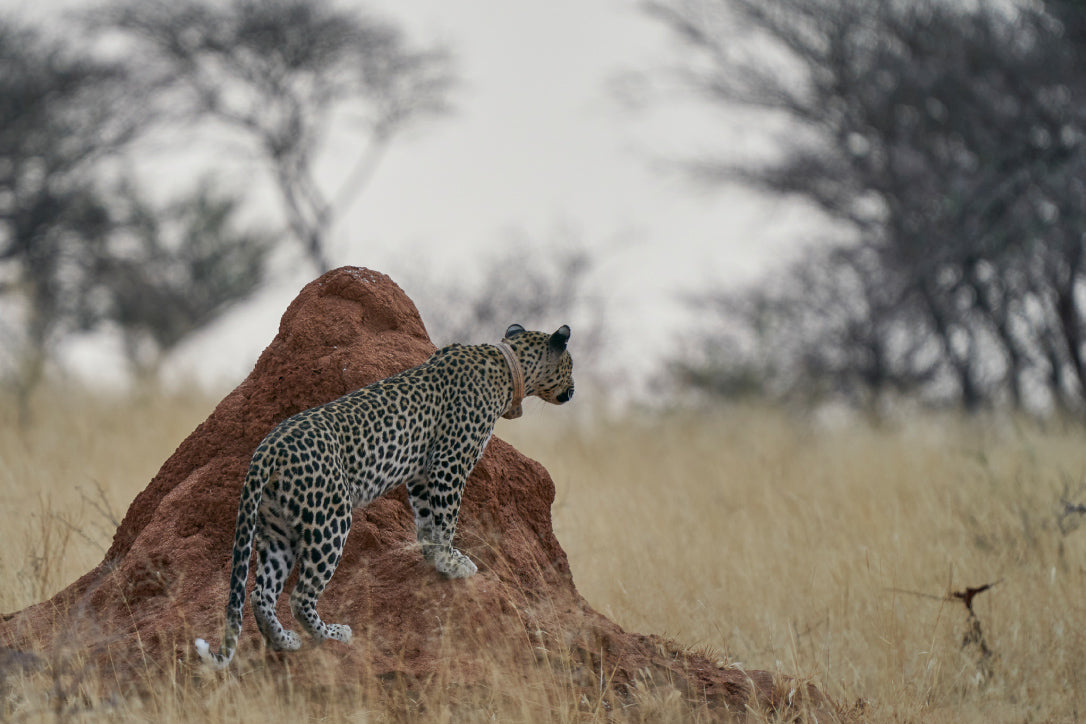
[339,632]
[286,641]
[454,564]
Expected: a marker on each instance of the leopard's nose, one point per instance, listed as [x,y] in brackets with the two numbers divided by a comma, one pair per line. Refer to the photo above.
[566,395]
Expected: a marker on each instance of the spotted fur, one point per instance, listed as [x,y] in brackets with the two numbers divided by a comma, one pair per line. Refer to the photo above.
[425,427]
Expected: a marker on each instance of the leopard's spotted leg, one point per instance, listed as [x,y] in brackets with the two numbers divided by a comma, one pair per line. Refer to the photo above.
[274,561]
[436,524]
[320,552]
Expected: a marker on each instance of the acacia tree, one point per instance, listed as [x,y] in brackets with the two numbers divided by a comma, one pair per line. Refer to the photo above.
[539,285]
[946,142]
[279,72]
[169,272]
[77,253]
[546,287]
[61,112]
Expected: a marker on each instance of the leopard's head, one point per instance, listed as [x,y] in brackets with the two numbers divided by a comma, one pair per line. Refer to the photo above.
[548,368]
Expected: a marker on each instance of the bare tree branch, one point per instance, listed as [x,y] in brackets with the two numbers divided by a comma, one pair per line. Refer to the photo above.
[278,72]
[945,143]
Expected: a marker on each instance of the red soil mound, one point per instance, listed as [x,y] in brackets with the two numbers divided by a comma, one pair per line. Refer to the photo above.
[164,580]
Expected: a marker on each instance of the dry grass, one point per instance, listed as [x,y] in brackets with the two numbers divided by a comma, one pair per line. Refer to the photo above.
[804,550]
[821,552]
[68,477]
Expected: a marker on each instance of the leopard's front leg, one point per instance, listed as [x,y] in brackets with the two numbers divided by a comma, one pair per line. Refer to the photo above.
[449,561]
[436,505]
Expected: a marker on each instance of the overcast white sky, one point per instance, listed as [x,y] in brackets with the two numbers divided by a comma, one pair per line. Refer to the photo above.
[538,146]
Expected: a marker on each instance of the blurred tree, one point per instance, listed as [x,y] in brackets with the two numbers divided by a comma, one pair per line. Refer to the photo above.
[60,113]
[76,254]
[168,273]
[946,142]
[541,286]
[278,72]
[821,330]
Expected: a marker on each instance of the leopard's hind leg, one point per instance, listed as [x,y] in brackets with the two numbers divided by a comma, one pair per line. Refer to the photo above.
[275,558]
[319,552]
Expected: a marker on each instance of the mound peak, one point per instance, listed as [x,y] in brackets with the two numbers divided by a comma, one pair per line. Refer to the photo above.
[164,579]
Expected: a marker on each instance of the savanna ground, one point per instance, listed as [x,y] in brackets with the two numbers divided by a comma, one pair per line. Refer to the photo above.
[825,552]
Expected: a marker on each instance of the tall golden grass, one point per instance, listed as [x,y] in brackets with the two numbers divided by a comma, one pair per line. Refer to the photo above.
[825,552]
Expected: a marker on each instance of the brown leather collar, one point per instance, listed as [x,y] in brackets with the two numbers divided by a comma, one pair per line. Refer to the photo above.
[515,370]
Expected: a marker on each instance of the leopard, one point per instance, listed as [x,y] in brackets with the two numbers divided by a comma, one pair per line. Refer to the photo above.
[425,428]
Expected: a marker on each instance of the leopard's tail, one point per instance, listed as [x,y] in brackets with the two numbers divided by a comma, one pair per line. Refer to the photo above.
[255,479]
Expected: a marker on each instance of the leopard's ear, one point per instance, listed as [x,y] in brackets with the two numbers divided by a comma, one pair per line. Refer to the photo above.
[513,331]
[558,340]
